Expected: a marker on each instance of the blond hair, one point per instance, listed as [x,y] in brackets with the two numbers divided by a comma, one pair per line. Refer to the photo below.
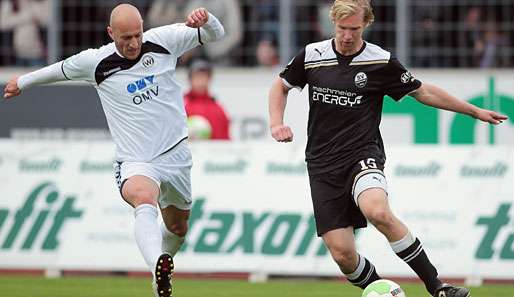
[344,8]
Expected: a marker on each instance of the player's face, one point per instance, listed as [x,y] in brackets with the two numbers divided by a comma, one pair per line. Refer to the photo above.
[128,39]
[348,33]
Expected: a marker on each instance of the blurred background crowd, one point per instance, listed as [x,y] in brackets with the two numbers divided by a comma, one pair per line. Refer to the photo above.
[423,33]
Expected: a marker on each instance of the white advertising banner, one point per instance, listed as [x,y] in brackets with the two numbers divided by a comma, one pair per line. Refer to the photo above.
[60,209]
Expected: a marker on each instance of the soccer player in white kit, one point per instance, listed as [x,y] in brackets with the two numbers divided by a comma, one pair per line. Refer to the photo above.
[135,80]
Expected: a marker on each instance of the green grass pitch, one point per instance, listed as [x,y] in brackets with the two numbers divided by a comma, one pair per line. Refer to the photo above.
[23,286]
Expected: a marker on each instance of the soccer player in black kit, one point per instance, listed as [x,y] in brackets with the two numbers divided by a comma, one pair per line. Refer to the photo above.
[348,79]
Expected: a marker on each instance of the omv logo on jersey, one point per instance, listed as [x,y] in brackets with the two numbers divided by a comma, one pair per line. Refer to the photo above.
[143,89]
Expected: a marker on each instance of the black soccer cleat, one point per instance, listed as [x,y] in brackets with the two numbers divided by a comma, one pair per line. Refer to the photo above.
[163,273]
[446,290]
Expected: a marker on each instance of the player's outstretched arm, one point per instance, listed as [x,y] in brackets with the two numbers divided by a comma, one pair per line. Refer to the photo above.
[48,74]
[210,27]
[11,88]
[277,105]
[434,96]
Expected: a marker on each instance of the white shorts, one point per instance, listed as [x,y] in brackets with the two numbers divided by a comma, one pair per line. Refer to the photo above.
[171,171]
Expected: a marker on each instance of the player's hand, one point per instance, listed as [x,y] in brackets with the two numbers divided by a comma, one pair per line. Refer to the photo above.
[11,88]
[282,133]
[490,116]
[197,18]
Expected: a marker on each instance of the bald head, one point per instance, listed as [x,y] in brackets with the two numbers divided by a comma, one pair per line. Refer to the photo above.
[126,30]
[123,14]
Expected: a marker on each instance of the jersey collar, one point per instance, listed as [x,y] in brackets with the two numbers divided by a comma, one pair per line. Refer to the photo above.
[349,58]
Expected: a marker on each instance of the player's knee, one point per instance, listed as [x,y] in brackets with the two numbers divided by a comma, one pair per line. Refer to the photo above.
[381,217]
[179,229]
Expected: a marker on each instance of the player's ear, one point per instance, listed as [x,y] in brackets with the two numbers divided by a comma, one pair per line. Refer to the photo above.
[109,31]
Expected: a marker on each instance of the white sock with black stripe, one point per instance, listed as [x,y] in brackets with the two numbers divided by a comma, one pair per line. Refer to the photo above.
[410,250]
[364,274]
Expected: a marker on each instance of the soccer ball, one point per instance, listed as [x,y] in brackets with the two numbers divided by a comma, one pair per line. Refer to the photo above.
[383,288]
[199,127]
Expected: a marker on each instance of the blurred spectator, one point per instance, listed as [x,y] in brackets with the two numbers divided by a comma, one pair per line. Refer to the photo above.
[264,19]
[493,43]
[165,12]
[229,14]
[472,35]
[262,23]
[326,26]
[449,34]
[206,118]
[485,39]
[83,22]
[26,19]
[306,18]
[263,27]
[267,53]
[425,36]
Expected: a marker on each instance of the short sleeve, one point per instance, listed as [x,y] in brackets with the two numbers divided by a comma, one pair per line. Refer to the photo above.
[398,81]
[80,66]
[294,75]
[177,38]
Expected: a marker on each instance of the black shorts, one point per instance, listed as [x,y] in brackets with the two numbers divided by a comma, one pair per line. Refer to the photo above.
[332,196]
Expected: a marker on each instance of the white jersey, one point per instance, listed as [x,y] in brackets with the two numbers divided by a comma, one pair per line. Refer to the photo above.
[142,101]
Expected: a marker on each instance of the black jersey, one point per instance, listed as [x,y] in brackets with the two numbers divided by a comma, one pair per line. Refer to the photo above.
[345,99]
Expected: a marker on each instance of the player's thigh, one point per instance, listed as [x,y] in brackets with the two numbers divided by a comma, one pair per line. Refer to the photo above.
[140,189]
[369,189]
[138,182]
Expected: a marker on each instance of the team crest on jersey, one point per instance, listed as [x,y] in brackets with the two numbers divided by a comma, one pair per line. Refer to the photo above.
[361,79]
[148,61]
[407,77]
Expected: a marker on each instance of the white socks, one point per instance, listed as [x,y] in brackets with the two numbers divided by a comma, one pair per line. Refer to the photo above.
[147,233]
[151,241]
[404,243]
[171,242]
